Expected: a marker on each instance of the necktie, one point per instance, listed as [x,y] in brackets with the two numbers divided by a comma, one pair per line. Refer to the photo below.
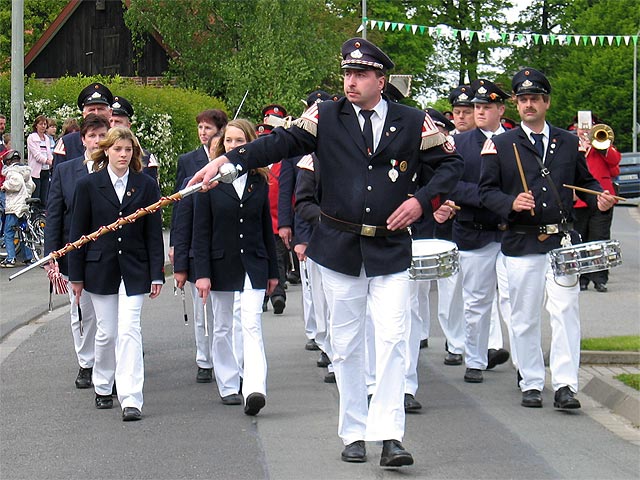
[539,145]
[119,188]
[367,130]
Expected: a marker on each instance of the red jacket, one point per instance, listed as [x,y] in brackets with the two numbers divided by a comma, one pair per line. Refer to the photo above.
[274,190]
[604,166]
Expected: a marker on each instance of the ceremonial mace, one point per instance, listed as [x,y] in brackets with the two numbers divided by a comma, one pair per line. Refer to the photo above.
[226,174]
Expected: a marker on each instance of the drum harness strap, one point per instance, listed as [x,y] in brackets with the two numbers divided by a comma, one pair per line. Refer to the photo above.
[544,231]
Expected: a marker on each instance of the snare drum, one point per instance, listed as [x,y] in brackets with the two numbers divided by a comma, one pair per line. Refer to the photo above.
[585,257]
[433,259]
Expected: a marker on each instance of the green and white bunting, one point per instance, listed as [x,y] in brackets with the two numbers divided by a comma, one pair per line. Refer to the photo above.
[516,39]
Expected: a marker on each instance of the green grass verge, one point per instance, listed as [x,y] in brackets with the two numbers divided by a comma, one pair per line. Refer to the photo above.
[630,343]
[630,379]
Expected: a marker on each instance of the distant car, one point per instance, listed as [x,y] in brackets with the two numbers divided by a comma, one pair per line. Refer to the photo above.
[628,182]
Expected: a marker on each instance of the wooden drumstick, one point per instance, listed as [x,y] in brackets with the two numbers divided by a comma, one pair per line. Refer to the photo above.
[522,177]
[592,192]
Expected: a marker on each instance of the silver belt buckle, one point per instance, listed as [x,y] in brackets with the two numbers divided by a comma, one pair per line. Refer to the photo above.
[368,231]
[552,229]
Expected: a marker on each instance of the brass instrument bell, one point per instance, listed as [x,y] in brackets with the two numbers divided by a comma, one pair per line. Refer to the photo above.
[601,136]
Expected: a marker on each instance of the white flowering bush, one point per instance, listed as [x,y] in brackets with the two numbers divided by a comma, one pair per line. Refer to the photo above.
[164,117]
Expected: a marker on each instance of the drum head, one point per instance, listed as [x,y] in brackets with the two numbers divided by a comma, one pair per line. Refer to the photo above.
[430,246]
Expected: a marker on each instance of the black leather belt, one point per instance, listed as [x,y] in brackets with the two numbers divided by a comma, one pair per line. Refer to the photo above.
[544,229]
[358,228]
[481,226]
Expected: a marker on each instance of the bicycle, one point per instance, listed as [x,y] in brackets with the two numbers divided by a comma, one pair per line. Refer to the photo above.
[30,230]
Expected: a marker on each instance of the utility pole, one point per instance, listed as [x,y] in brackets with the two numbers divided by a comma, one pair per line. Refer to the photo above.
[635,95]
[364,19]
[17,75]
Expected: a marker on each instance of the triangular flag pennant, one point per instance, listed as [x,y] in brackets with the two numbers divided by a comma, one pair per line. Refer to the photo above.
[585,39]
[626,39]
[414,28]
[512,37]
[610,39]
[601,39]
[422,27]
[408,28]
[503,36]
[464,34]
[635,39]
[471,35]
[438,31]
[562,39]
[387,25]
[394,25]
[576,39]
[373,24]
[527,37]
[454,32]
[545,39]
[380,24]
[594,39]
[618,39]
[360,28]
[552,38]
[432,30]
[400,25]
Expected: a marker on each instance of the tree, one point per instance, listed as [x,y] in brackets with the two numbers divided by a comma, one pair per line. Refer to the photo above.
[278,50]
[38,15]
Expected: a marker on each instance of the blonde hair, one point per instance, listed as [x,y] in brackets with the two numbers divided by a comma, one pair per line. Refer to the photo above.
[249,131]
[114,135]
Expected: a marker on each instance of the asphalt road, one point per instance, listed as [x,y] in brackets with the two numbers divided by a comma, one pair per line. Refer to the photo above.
[50,430]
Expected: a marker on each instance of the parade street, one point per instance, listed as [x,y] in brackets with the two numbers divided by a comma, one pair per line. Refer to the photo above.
[51,430]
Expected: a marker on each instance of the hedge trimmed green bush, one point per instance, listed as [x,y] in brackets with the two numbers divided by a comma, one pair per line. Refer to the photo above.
[164,118]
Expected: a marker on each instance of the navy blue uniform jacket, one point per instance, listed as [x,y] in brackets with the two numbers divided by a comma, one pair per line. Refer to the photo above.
[466,194]
[500,184]
[133,253]
[182,232]
[60,205]
[233,236]
[188,164]
[356,187]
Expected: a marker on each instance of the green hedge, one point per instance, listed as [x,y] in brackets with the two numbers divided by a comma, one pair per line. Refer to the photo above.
[164,119]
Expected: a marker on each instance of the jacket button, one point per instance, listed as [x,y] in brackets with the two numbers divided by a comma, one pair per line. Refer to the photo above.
[241,236]
[544,189]
[119,252]
[369,187]
[120,213]
[241,205]
[242,250]
[119,239]
[241,220]
[370,167]
[544,205]
[367,210]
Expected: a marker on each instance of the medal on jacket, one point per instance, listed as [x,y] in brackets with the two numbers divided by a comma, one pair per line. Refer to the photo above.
[393,173]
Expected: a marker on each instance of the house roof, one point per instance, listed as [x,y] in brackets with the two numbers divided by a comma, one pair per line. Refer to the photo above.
[59,22]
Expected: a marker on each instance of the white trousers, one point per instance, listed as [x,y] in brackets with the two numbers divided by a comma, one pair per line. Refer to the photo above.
[119,346]
[348,297]
[238,349]
[204,343]
[308,312]
[84,342]
[530,277]
[255,362]
[419,311]
[479,287]
[320,307]
[451,312]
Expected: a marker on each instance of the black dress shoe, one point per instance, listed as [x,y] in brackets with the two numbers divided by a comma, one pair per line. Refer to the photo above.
[204,375]
[265,304]
[496,357]
[104,402]
[131,414]
[83,380]
[278,303]
[255,402]
[424,343]
[114,390]
[411,404]
[532,399]
[323,361]
[600,287]
[473,375]
[330,377]
[518,378]
[453,359]
[233,399]
[394,454]
[584,285]
[355,452]
[311,345]
[565,399]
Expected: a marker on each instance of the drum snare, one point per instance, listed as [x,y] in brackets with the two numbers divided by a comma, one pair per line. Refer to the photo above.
[433,259]
[585,257]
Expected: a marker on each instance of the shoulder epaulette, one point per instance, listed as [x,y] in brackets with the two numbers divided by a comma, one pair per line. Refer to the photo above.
[309,120]
[489,148]
[431,136]
[306,163]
